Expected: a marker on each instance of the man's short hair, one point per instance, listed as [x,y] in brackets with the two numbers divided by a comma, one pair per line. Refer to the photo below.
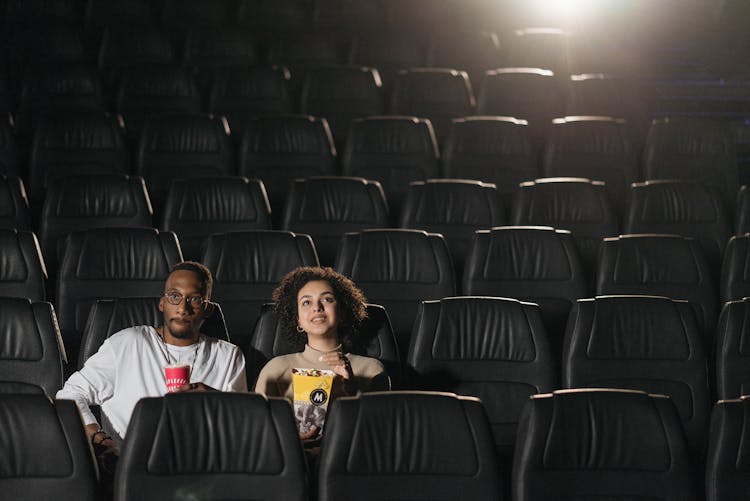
[204,274]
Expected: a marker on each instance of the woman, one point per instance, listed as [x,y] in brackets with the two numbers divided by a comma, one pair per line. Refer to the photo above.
[321,310]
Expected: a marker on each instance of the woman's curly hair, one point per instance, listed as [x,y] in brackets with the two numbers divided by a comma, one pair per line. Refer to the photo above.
[349,299]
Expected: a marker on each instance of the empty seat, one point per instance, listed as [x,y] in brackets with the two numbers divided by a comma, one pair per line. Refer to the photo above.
[247,266]
[31,356]
[732,352]
[241,94]
[392,150]
[109,316]
[531,263]
[120,50]
[398,269]
[531,94]
[492,149]
[471,51]
[692,148]
[340,95]
[455,208]
[182,147]
[684,208]
[491,348]
[280,149]
[209,50]
[302,50]
[37,46]
[436,94]
[605,444]
[46,452]
[76,144]
[727,475]
[395,445]
[389,51]
[10,161]
[647,343]
[196,208]
[597,148]
[106,263]
[164,457]
[376,340]
[575,204]
[14,205]
[76,203]
[540,48]
[659,265]
[22,271]
[742,214]
[735,276]
[327,207]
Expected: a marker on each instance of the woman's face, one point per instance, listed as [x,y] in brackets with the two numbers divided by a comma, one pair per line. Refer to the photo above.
[317,310]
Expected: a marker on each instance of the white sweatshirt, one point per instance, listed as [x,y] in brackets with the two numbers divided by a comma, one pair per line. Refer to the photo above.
[130,365]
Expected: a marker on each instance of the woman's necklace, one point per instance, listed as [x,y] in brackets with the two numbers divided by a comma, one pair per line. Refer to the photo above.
[168,355]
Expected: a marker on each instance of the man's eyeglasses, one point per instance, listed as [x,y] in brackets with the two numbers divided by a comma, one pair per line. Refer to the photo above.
[176,298]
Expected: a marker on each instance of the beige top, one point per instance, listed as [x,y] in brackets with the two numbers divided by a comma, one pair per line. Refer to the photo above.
[275,379]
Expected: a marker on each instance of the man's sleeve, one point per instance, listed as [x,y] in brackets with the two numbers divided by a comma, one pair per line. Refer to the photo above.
[236,380]
[93,384]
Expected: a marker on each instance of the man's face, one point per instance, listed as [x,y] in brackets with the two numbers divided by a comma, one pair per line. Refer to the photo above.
[184,319]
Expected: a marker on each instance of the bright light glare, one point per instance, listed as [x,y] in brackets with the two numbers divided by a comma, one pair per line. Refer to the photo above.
[564,8]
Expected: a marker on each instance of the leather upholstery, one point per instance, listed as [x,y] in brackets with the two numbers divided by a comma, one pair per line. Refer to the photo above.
[22,271]
[732,350]
[735,272]
[728,460]
[14,206]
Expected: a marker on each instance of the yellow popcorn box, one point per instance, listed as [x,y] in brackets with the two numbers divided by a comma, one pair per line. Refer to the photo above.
[312,390]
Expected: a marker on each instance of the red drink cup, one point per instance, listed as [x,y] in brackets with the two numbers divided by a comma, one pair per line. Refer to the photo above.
[176,376]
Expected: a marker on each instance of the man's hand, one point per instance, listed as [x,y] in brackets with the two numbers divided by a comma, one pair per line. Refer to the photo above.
[193,388]
[311,434]
[98,437]
[339,364]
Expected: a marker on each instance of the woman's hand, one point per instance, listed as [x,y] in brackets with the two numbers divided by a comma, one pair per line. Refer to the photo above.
[338,363]
[193,388]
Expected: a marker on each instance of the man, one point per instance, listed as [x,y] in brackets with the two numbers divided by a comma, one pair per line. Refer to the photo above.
[130,364]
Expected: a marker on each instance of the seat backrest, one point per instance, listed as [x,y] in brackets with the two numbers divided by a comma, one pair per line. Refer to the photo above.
[605,444]
[119,49]
[735,274]
[182,147]
[14,205]
[398,269]
[576,204]
[22,270]
[469,50]
[10,160]
[32,353]
[647,343]
[455,208]
[109,316]
[742,212]
[209,49]
[389,50]
[692,148]
[732,350]
[76,144]
[492,149]
[375,339]
[196,208]
[686,208]
[659,265]
[392,150]
[327,207]
[393,445]
[255,449]
[531,263]
[78,203]
[45,451]
[492,348]
[247,266]
[728,448]
[539,48]
[597,148]
[107,263]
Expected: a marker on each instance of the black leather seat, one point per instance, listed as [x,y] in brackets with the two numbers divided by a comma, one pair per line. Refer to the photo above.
[22,273]
[389,50]
[305,49]
[109,316]
[742,213]
[727,476]
[31,355]
[46,453]
[647,343]
[732,362]
[492,149]
[540,48]
[398,269]
[196,208]
[407,445]
[107,263]
[247,266]
[659,265]
[327,207]
[735,280]
[208,51]
[119,50]
[472,51]
[491,348]
[531,263]
[252,450]
[392,150]
[376,340]
[14,205]
[455,208]
[601,444]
